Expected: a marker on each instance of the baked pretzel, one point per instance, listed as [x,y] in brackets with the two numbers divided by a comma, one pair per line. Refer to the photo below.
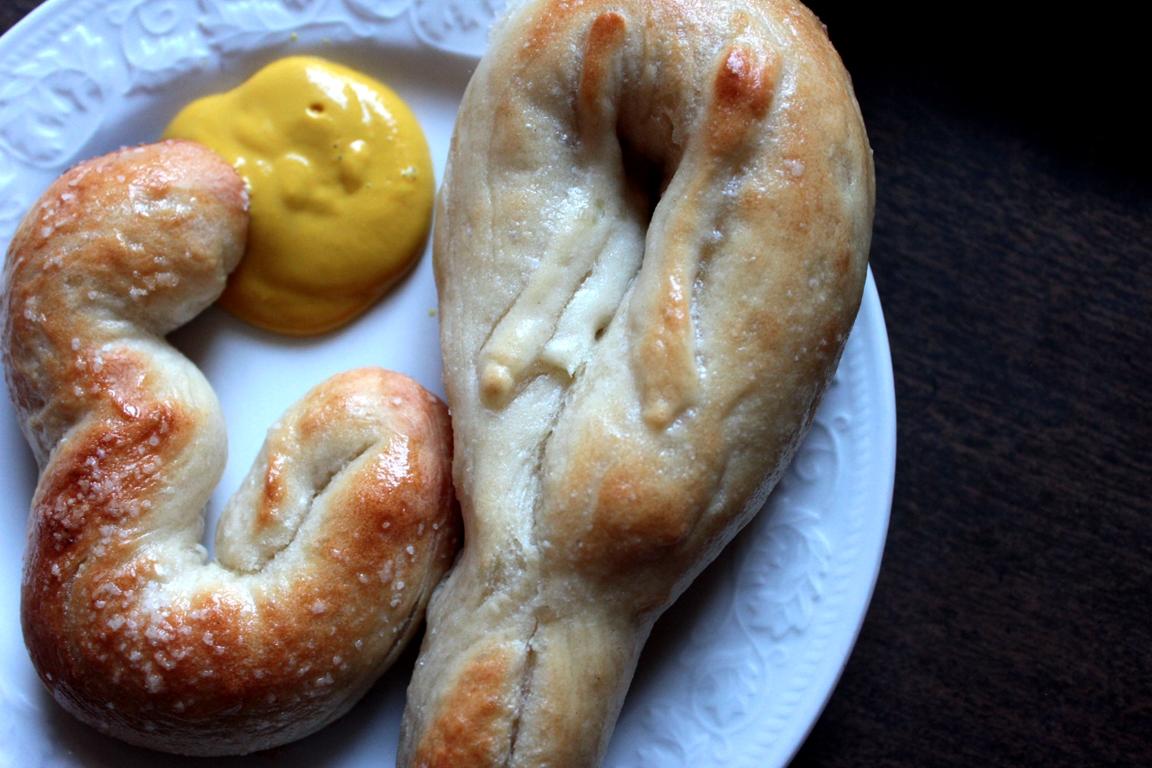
[650,247]
[327,553]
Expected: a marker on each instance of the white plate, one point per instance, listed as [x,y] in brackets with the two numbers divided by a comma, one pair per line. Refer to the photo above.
[736,673]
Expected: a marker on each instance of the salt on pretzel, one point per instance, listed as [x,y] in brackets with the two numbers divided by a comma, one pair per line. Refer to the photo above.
[651,245]
[327,553]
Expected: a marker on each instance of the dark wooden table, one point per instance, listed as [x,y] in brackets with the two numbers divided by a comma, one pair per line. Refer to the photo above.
[1012,622]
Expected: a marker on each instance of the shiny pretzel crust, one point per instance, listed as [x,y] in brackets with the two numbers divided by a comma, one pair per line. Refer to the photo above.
[329,550]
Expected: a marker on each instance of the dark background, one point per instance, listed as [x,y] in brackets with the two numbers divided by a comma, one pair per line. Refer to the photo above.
[1012,621]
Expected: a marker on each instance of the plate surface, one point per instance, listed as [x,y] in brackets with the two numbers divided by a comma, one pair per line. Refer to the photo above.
[734,675]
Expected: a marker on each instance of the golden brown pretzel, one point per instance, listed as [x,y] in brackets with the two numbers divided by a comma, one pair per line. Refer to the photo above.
[650,248]
[329,550]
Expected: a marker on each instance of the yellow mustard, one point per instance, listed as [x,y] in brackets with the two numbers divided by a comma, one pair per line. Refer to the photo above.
[341,188]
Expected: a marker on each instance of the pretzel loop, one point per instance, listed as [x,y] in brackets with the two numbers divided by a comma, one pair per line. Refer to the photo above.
[651,244]
[329,550]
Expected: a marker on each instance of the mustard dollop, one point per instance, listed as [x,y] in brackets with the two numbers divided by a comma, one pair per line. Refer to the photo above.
[341,186]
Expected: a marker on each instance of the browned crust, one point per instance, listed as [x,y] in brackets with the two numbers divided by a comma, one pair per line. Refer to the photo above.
[743,90]
[472,724]
[602,50]
[126,624]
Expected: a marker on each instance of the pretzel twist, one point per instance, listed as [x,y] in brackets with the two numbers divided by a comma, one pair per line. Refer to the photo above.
[651,245]
[327,553]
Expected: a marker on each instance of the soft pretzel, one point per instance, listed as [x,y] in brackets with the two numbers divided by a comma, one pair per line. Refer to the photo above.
[650,248]
[327,553]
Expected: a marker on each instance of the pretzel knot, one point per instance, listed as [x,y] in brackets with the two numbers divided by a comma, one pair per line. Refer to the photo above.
[327,553]
[650,246]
